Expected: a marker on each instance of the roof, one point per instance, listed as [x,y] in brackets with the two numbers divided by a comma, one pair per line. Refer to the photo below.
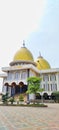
[23,54]
[42,64]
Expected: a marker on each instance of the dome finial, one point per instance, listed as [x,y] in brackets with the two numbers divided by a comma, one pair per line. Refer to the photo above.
[23,43]
[39,54]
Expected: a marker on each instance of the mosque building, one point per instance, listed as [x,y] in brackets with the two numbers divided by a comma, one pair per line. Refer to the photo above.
[23,66]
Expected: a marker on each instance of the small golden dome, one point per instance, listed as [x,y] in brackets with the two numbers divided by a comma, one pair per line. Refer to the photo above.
[42,64]
[23,54]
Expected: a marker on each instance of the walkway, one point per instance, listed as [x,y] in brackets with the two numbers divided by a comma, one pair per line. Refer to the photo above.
[29,118]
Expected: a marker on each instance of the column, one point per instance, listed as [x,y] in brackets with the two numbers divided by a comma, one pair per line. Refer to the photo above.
[12,91]
[4,89]
[9,91]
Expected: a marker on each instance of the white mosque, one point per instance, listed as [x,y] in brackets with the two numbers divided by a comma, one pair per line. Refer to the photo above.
[24,66]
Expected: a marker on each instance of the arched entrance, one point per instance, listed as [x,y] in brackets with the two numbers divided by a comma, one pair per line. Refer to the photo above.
[7,85]
[38,96]
[13,86]
[23,87]
[52,96]
[6,89]
[45,96]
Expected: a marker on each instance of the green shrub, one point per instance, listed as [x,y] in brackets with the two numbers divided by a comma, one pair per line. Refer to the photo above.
[11,100]
[5,98]
[55,96]
[21,97]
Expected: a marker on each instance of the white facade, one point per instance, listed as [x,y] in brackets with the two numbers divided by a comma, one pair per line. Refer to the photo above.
[50,78]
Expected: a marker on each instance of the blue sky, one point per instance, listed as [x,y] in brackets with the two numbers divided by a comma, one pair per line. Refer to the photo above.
[36,22]
[46,38]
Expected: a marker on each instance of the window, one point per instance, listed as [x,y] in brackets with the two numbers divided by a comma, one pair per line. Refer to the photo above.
[46,87]
[45,78]
[53,77]
[17,75]
[9,76]
[53,87]
[23,75]
[56,87]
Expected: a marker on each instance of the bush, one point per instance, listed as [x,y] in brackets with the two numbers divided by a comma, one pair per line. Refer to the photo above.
[11,100]
[21,97]
[55,96]
[5,98]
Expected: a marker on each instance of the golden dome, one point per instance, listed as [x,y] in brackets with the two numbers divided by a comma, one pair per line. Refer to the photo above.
[23,54]
[42,64]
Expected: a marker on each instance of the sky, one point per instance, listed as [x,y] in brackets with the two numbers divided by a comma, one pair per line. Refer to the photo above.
[36,22]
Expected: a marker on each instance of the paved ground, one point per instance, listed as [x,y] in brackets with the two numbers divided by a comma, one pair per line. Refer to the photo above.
[29,118]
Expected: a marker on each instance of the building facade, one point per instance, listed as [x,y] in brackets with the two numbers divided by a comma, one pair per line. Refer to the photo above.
[23,66]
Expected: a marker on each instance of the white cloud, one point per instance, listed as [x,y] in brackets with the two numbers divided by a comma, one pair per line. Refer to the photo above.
[18,18]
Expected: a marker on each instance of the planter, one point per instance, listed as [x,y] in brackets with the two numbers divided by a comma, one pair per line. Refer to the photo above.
[21,102]
[32,96]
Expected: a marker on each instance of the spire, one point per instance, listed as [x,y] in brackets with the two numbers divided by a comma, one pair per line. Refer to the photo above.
[23,43]
[40,55]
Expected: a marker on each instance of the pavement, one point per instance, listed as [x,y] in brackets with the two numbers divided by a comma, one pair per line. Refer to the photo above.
[29,118]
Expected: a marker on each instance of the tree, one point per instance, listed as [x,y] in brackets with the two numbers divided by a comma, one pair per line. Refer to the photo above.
[34,85]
